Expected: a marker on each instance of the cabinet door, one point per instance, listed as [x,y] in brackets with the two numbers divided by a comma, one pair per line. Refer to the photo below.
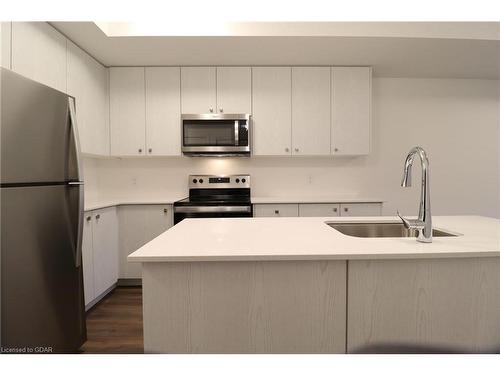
[272,110]
[360,209]
[88,259]
[319,209]
[105,244]
[5,35]
[198,89]
[276,210]
[127,111]
[163,111]
[351,110]
[310,111]
[39,53]
[139,224]
[234,89]
[88,83]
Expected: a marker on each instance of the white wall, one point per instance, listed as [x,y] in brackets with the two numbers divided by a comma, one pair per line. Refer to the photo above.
[456,121]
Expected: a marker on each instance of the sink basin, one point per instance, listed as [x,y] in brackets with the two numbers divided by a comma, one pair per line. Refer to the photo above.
[373,229]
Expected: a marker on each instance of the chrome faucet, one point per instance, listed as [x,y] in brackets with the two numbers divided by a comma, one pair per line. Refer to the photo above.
[423,224]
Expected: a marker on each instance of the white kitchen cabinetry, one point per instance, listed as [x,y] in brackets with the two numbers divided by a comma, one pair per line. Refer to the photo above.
[127,111]
[105,248]
[163,116]
[39,53]
[351,110]
[5,35]
[198,89]
[139,224]
[99,253]
[88,259]
[234,89]
[319,209]
[88,83]
[272,110]
[276,210]
[310,110]
[360,209]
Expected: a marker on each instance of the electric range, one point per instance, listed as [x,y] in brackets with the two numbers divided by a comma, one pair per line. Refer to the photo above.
[212,196]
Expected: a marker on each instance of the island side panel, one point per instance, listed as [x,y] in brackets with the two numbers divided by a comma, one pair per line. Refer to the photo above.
[245,307]
[440,305]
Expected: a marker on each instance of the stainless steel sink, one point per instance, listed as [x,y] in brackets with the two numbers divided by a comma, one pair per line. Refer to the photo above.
[374,229]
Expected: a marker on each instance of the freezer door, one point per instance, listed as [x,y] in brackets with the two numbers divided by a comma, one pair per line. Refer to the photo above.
[37,137]
[42,285]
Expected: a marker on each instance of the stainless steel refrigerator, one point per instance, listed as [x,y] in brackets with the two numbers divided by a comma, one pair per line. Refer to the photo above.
[41,196]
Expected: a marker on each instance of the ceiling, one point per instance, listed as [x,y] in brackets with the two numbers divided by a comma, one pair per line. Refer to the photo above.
[430,50]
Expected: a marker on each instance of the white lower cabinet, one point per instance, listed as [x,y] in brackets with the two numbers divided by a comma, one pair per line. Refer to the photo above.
[88,259]
[360,209]
[99,252]
[319,209]
[139,224]
[275,210]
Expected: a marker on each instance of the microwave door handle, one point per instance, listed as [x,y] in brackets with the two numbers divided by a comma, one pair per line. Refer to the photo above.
[236,133]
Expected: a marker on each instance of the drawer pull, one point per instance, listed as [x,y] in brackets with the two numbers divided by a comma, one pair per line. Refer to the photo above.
[276,212]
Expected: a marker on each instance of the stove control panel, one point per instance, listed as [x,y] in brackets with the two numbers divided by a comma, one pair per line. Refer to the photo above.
[219,182]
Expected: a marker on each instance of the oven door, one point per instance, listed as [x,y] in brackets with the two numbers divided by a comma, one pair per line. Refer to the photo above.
[215,134]
[184,212]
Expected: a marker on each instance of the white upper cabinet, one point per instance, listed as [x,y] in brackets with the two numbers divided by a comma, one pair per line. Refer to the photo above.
[272,110]
[234,90]
[311,111]
[39,53]
[5,34]
[163,111]
[198,89]
[88,83]
[351,110]
[127,111]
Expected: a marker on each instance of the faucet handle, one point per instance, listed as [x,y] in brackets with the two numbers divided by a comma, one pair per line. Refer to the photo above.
[411,224]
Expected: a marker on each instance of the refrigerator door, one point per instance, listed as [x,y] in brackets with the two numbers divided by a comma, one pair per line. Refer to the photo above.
[42,287]
[39,144]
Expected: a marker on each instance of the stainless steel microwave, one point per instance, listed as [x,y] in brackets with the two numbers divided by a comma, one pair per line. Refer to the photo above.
[216,134]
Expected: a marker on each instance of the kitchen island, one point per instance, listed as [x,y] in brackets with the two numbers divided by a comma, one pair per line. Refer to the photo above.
[296,285]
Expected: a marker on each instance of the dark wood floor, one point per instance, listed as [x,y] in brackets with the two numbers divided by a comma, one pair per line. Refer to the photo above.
[115,324]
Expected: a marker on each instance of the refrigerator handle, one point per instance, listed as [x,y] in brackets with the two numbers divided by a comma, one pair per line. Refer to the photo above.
[76,138]
[79,232]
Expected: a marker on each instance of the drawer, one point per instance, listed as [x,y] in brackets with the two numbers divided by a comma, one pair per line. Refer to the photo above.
[319,209]
[275,210]
[360,209]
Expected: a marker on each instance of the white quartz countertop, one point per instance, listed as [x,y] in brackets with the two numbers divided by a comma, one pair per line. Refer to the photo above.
[309,238]
[97,204]
[315,199]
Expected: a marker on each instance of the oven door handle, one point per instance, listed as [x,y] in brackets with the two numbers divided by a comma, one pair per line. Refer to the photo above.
[211,209]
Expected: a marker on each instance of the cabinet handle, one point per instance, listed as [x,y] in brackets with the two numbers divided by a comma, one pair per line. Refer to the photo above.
[211,110]
[346,209]
[287,149]
[88,218]
[296,150]
[140,150]
[276,212]
[335,209]
[97,216]
[165,210]
[335,149]
[221,110]
[150,150]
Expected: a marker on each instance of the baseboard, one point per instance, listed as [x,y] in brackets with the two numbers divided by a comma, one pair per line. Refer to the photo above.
[129,282]
[96,300]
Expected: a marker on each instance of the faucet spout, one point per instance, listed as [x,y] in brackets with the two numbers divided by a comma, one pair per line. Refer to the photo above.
[424,222]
